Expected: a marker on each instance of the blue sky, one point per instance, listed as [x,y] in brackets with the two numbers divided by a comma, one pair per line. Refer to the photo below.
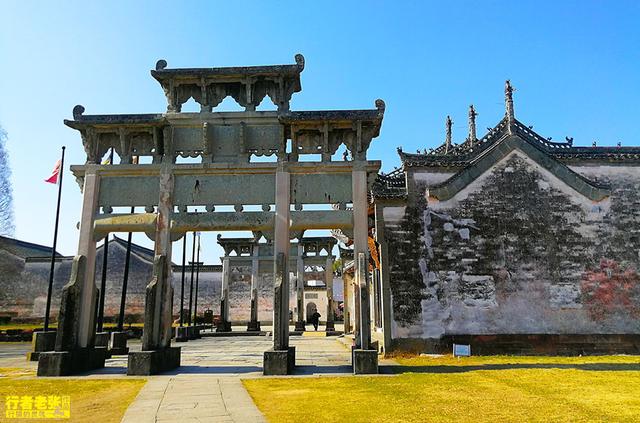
[575,66]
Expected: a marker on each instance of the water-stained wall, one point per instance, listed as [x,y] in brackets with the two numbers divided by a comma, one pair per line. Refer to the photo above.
[517,252]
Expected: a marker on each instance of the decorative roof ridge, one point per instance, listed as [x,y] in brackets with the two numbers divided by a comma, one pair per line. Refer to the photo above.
[27,244]
[355,114]
[464,153]
[143,253]
[161,71]
[391,185]
[80,119]
[447,189]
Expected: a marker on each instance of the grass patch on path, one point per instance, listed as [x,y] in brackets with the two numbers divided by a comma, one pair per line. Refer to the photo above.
[92,400]
[418,395]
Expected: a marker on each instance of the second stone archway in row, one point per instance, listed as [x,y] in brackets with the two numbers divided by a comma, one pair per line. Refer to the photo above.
[248,252]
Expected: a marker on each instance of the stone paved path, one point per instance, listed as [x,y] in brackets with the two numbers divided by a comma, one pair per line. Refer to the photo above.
[189,399]
[208,386]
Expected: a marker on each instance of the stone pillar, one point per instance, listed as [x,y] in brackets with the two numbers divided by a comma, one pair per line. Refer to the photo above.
[365,360]
[374,298]
[254,324]
[346,299]
[225,324]
[87,248]
[385,294]
[280,360]
[74,345]
[328,279]
[157,355]
[300,323]
[356,304]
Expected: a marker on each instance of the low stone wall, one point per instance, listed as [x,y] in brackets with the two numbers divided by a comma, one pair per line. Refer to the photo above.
[525,344]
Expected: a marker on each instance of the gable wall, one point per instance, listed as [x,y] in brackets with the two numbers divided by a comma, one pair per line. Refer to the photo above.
[517,252]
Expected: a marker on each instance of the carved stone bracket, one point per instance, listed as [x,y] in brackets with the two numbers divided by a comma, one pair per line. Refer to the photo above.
[247,85]
[323,132]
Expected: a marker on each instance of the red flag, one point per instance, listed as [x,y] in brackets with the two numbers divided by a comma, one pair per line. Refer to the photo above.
[53,179]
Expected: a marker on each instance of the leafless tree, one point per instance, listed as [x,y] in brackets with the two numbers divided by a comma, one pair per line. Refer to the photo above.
[7,227]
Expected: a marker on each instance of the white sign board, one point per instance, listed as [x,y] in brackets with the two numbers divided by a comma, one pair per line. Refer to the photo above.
[461,350]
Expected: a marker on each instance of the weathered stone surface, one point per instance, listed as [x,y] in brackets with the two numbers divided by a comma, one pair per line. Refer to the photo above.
[144,363]
[518,252]
[365,362]
[66,363]
[41,342]
[118,343]
[102,339]
[279,362]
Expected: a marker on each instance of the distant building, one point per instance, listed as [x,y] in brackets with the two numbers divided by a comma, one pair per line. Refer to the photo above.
[24,278]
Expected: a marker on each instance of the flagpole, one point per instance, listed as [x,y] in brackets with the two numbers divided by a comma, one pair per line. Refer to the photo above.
[53,250]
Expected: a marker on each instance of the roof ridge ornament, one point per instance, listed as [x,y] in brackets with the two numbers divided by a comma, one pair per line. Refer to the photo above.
[161,64]
[508,102]
[472,125]
[447,142]
[78,111]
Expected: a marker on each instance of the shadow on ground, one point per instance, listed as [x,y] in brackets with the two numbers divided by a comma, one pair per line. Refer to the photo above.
[463,369]
[320,370]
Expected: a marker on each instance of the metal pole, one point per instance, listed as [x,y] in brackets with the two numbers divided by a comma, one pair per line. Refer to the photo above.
[55,242]
[125,280]
[193,258]
[184,258]
[195,303]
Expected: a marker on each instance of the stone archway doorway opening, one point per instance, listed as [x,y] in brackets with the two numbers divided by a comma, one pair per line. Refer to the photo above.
[311,308]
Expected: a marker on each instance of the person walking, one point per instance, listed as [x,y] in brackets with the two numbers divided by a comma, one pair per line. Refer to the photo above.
[315,319]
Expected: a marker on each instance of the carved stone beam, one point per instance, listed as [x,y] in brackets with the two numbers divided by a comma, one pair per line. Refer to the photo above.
[359,153]
[157,146]
[294,144]
[168,154]
[248,86]
[90,144]
[241,146]
[205,105]
[125,146]
[326,151]
[207,148]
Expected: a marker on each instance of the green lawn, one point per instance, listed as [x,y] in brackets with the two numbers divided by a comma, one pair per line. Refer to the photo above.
[92,400]
[478,389]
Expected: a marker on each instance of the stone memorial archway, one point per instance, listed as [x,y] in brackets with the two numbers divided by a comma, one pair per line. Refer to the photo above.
[168,192]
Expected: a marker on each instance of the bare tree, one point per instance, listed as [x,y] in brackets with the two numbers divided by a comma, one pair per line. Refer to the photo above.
[7,227]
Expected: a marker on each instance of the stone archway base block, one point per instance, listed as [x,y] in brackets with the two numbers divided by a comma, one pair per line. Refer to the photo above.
[118,343]
[253,326]
[66,363]
[279,362]
[223,326]
[41,342]
[144,363]
[182,334]
[365,362]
